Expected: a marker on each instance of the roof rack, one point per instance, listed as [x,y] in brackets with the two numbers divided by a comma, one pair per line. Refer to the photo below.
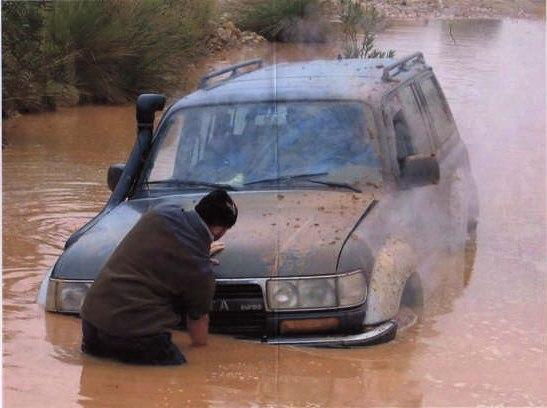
[402,65]
[234,69]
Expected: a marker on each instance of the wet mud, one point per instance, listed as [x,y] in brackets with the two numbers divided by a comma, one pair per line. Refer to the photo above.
[481,330]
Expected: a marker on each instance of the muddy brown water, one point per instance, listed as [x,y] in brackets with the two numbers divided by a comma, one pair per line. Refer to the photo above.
[481,342]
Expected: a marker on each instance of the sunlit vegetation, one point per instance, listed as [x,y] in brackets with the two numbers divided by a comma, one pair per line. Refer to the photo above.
[359,23]
[103,51]
[281,20]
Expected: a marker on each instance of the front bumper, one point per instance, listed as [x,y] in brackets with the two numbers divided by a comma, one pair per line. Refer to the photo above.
[266,327]
[382,333]
[259,324]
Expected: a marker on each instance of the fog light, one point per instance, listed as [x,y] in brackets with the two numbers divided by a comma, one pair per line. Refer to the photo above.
[309,325]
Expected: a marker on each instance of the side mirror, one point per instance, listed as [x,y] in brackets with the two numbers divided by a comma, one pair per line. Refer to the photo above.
[114,173]
[420,170]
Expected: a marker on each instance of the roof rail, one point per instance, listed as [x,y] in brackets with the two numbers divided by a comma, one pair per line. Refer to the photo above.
[204,81]
[401,64]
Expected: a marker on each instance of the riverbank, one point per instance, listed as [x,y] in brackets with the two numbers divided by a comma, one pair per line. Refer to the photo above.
[59,54]
[457,9]
[98,72]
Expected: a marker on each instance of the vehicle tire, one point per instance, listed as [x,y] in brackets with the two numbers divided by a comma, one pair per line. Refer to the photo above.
[413,296]
[412,302]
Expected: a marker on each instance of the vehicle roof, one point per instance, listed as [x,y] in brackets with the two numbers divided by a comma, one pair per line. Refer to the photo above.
[350,79]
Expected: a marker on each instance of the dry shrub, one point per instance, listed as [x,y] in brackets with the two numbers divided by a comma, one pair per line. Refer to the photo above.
[281,20]
[359,23]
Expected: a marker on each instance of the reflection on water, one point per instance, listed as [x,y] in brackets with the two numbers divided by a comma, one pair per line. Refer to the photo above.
[481,337]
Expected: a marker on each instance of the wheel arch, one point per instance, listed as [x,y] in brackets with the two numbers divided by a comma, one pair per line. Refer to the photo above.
[394,264]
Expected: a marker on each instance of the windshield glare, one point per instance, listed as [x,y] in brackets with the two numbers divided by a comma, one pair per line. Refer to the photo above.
[241,143]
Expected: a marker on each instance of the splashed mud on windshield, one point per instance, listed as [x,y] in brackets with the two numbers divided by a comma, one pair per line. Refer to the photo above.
[480,337]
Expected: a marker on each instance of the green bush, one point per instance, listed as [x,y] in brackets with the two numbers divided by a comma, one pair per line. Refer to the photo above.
[359,24]
[281,20]
[103,51]
[23,76]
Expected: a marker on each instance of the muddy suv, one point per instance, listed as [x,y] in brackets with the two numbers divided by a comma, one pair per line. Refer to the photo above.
[347,174]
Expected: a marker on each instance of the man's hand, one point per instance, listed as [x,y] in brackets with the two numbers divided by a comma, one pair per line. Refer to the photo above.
[216,247]
[198,330]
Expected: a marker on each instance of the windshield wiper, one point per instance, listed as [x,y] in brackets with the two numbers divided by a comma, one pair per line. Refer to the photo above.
[306,177]
[286,178]
[192,183]
[336,184]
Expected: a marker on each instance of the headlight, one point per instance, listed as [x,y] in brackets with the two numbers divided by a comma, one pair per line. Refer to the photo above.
[282,294]
[317,293]
[67,295]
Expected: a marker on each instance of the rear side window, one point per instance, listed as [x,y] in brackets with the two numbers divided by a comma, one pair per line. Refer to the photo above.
[438,108]
[411,117]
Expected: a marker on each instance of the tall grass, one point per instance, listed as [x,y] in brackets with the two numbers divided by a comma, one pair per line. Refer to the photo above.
[104,51]
[360,23]
[281,20]
[23,80]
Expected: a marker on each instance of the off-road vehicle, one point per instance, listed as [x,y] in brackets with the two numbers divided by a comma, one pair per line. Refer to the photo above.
[347,174]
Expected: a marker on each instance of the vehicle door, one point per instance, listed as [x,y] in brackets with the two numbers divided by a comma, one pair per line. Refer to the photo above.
[451,155]
[417,206]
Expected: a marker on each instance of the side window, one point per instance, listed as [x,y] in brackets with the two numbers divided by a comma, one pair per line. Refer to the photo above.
[412,120]
[438,109]
[403,142]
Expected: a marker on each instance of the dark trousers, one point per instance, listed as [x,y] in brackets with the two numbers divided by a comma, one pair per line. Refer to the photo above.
[151,350]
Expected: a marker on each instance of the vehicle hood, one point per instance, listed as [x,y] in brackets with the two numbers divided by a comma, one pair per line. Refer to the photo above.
[278,233]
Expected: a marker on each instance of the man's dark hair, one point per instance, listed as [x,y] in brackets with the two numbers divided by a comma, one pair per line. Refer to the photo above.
[217,208]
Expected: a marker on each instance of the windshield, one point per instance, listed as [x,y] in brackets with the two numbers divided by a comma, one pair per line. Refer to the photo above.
[249,144]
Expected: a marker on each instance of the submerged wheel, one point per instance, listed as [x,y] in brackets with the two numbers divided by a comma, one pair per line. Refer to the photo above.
[412,302]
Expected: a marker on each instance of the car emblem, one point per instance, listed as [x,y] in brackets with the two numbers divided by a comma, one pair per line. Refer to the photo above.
[224,305]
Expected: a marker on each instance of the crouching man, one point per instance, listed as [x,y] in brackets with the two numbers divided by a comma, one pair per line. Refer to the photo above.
[162,264]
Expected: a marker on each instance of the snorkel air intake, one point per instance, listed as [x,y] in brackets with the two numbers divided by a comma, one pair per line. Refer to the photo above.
[147,106]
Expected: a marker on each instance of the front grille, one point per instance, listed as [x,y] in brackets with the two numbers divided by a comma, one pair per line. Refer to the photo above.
[247,291]
[238,309]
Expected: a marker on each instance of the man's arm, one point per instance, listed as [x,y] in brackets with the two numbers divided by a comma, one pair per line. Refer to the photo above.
[199,304]
[198,330]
